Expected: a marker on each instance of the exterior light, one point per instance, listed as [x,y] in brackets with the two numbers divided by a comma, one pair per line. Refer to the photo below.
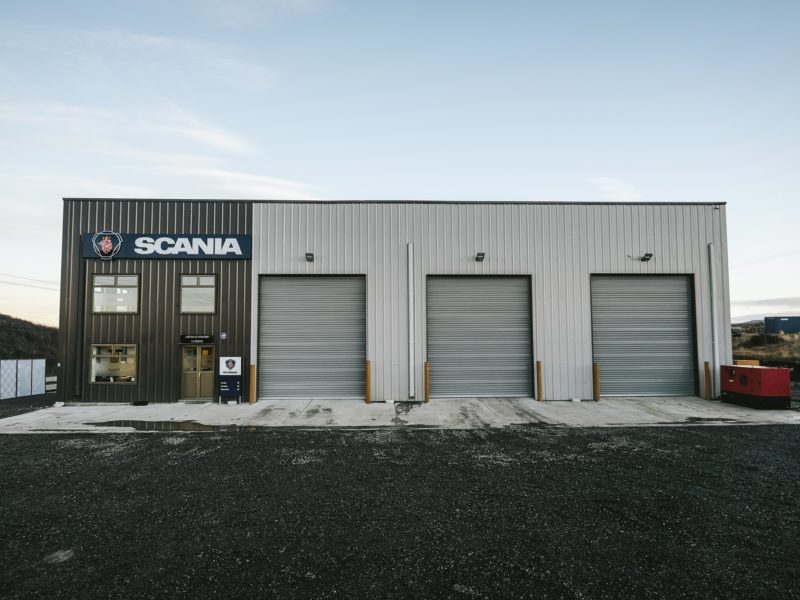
[646,257]
[480,256]
[310,256]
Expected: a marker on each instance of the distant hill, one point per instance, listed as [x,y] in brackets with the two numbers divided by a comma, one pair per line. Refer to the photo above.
[771,350]
[23,339]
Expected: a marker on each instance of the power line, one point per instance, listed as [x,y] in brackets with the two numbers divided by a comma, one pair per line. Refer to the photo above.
[38,287]
[27,278]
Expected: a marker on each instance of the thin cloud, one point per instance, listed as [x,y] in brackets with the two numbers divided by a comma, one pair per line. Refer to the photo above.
[749,310]
[745,318]
[188,125]
[790,301]
[247,12]
[76,186]
[250,186]
[158,52]
[615,189]
[156,121]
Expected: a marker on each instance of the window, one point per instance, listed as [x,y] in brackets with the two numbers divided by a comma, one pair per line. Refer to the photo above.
[116,293]
[113,363]
[198,293]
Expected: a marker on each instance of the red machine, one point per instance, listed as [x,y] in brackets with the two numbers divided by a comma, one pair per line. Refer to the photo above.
[762,387]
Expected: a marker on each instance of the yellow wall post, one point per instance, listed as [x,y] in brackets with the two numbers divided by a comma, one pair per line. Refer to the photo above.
[427,382]
[708,380]
[367,382]
[252,384]
[596,380]
[539,395]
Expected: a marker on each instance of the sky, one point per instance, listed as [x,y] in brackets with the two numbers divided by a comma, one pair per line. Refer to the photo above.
[577,101]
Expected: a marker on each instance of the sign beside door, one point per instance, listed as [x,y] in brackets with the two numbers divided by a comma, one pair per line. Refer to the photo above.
[230,376]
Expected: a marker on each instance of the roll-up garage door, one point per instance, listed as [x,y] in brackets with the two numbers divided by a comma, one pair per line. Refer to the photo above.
[479,336]
[643,335]
[311,337]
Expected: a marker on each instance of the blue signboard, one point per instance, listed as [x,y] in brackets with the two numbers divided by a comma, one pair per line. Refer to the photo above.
[230,376]
[230,385]
[108,245]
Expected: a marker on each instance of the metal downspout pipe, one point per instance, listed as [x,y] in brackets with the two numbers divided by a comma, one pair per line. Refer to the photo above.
[411,341]
[712,270]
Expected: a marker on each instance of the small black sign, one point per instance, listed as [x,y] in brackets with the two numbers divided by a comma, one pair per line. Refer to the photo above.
[197,339]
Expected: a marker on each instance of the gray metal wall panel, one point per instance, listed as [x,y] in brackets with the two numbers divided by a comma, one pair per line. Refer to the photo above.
[23,378]
[559,245]
[643,335]
[311,337]
[157,328]
[479,336]
[37,376]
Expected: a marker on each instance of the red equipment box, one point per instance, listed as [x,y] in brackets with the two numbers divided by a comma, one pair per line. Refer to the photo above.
[762,387]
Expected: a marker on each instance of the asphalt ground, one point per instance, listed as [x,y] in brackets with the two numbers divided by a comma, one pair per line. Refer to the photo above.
[531,512]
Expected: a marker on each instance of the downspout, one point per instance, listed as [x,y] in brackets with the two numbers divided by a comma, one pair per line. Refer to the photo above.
[411,365]
[712,270]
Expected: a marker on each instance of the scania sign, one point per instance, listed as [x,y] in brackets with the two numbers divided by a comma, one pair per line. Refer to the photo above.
[107,245]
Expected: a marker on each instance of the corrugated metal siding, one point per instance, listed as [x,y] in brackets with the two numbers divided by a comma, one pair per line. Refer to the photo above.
[157,328]
[784,324]
[479,336]
[559,245]
[643,335]
[311,337]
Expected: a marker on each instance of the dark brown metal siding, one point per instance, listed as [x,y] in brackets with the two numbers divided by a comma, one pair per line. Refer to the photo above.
[156,330]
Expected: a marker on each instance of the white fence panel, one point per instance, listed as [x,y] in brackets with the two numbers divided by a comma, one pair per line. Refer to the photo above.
[37,376]
[8,379]
[24,377]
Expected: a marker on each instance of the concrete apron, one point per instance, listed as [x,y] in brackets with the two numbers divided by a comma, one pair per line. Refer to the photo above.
[466,413]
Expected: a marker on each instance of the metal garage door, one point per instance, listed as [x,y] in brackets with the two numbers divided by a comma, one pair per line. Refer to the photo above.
[643,335]
[311,337]
[479,336]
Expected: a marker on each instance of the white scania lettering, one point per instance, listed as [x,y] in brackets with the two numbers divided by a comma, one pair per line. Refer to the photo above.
[144,245]
[195,246]
[206,245]
[159,245]
[183,245]
[230,245]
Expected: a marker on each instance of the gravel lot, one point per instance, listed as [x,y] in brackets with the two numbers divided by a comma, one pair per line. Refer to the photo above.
[663,512]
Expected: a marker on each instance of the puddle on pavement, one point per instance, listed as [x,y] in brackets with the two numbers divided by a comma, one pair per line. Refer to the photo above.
[175,426]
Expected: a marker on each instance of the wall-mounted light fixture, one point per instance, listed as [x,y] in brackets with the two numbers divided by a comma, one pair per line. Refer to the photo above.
[480,256]
[310,256]
[646,257]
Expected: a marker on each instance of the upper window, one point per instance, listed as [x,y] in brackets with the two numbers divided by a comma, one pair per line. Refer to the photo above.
[198,293]
[116,293]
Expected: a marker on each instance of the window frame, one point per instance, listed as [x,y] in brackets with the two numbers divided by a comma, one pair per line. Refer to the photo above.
[198,275]
[114,354]
[138,288]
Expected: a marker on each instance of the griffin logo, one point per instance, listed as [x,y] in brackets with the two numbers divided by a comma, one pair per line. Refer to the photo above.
[106,244]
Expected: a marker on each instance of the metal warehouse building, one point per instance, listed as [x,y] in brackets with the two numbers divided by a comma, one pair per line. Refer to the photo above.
[390,300]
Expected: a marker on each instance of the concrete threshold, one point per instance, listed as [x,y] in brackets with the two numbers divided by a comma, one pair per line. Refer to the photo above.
[451,413]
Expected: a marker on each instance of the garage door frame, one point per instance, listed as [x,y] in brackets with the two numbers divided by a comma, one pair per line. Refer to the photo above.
[265,276]
[528,277]
[691,278]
